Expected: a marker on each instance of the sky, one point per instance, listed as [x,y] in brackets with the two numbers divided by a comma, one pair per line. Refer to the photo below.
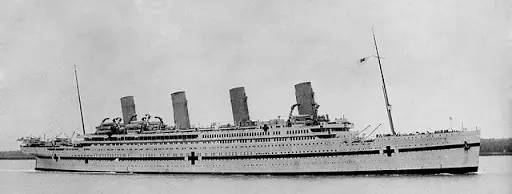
[442,59]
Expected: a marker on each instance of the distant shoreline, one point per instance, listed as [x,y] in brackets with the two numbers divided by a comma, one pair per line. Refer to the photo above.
[495,154]
[7,158]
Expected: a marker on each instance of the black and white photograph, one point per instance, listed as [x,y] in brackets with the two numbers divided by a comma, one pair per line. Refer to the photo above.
[256,96]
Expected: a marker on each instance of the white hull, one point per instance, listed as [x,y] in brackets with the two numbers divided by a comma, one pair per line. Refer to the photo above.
[428,153]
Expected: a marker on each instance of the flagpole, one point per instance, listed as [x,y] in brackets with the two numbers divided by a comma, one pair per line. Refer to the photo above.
[384,91]
[450,122]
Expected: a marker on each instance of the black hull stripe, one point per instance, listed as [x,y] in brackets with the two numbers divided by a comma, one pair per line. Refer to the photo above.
[460,170]
[442,147]
[112,158]
[369,152]
[308,155]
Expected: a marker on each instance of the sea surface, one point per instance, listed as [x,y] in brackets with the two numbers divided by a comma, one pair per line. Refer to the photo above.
[18,176]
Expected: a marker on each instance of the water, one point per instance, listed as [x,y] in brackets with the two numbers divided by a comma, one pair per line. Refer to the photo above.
[17,176]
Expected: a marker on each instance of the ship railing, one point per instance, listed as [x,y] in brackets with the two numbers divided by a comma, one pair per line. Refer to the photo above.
[420,133]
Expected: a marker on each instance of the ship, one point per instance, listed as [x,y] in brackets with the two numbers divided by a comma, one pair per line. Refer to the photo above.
[303,143]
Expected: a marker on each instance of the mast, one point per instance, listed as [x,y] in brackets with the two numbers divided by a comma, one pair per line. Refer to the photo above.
[79,100]
[384,91]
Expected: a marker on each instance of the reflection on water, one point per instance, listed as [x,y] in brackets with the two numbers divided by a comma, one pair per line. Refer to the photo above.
[18,176]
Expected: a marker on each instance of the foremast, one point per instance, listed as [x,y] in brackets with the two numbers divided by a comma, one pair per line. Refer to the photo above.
[384,91]
[79,101]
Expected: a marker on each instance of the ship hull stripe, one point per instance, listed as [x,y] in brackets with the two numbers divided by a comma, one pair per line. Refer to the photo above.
[268,156]
[460,170]
[325,154]
[442,147]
